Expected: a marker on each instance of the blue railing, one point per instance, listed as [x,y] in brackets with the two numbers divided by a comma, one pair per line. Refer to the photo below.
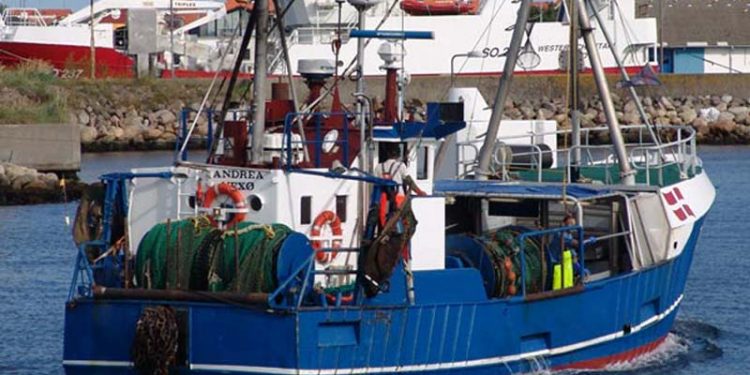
[296,286]
[115,199]
[184,128]
[317,144]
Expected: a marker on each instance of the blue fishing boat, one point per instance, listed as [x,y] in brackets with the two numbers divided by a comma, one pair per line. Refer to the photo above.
[322,242]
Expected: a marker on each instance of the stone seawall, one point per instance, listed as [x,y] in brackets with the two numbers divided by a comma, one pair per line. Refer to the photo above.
[22,185]
[145,114]
[718,110]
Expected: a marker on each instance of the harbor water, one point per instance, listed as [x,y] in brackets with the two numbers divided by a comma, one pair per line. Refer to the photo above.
[710,336]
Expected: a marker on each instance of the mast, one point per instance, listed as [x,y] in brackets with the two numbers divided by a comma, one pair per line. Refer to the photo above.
[573,96]
[627,175]
[259,78]
[626,77]
[360,110]
[232,81]
[511,56]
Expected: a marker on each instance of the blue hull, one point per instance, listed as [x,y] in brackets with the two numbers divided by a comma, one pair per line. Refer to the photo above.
[451,328]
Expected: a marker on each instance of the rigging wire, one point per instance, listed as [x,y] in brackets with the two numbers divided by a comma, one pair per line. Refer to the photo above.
[208,93]
[251,24]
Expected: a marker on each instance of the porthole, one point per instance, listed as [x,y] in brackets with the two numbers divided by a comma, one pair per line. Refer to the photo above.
[255,202]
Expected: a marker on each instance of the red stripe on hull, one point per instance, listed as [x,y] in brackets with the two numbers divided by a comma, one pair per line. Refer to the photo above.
[632,70]
[200,74]
[109,62]
[600,363]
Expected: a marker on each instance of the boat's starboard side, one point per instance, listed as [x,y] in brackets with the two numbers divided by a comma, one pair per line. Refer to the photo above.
[605,322]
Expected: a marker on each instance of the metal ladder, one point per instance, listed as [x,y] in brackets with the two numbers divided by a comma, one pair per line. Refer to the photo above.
[182,211]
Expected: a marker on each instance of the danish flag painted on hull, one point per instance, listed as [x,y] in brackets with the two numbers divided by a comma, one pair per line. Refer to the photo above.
[675,200]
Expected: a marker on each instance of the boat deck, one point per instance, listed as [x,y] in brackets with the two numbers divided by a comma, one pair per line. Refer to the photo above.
[610,175]
[655,164]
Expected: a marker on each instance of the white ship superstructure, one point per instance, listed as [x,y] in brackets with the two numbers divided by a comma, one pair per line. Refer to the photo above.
[476,43]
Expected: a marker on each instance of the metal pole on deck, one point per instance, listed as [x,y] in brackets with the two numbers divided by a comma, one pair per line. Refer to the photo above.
[488,147]
[260,78]
[361,121]
[627,175]
[93,41]
[573,95]
[626,77]
[171,37]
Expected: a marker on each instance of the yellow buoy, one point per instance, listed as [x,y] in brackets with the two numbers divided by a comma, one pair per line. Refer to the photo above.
[567,265]
[557,277]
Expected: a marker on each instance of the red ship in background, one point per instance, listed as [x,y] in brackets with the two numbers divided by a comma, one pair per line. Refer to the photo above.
[63,38]
[203,44]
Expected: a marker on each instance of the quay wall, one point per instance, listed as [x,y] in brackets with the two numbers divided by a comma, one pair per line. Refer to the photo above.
[44,147]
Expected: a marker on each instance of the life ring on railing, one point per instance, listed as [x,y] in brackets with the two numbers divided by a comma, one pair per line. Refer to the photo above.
[331,219]
[232,192]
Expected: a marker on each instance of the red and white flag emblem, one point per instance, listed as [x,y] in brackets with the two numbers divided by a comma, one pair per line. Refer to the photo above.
[674,199]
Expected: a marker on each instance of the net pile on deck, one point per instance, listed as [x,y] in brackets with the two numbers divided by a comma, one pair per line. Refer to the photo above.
[504,250]
[193,255]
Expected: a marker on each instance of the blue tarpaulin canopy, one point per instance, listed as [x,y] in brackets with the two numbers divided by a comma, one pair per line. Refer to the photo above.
[517,190]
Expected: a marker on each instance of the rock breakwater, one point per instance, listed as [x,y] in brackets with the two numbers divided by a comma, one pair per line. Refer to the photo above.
[717,119]
[21,185]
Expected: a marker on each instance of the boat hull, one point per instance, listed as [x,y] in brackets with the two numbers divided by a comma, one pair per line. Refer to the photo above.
[449,329]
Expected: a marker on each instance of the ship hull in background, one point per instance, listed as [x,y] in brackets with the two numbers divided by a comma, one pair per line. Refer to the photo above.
[69,61]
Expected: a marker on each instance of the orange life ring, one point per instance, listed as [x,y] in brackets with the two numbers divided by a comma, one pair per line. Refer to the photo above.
[331,219]
[229,190]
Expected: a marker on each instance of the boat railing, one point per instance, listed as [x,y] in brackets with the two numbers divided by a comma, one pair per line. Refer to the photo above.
[185,117]
[111,254]
[652,160]
[318,35]
[23,17]
[321,138]
[682,153]
[504,159]
[467,164]
[297,285]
